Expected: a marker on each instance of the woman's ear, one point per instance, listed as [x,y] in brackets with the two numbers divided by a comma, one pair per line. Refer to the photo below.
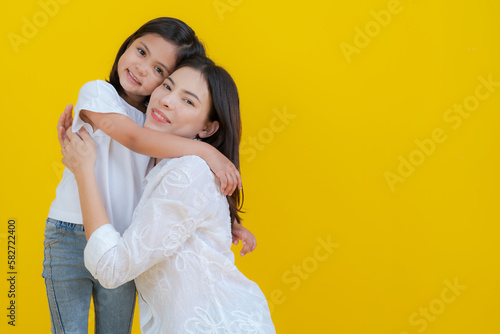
[209,129]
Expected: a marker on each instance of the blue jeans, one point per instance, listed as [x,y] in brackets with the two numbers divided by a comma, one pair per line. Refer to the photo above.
[70,285]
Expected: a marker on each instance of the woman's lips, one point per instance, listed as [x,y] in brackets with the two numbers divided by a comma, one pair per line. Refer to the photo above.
[159,116]
[132,78]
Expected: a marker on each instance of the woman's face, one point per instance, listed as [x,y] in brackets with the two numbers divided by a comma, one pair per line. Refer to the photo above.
[145,64]
[180,105]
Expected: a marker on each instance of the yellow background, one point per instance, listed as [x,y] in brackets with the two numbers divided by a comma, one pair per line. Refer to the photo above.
[322,130]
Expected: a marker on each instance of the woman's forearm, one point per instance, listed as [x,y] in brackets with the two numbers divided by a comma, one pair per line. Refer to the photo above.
[93,212]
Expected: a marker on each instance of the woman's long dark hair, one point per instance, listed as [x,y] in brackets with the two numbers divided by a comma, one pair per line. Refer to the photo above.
[174,31]
[225,109]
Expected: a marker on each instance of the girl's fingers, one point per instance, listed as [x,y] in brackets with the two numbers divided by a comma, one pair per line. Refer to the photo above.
[227,187]
[223,183]
[246,249]
[232,184]
[238,177]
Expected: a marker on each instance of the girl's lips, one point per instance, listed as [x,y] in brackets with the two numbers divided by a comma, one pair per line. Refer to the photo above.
[132,78]
[159,116]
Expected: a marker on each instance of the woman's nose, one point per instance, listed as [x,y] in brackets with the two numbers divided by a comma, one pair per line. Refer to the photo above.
[167,101]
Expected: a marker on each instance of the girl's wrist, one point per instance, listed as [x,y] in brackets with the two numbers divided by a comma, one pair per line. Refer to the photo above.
[208,153]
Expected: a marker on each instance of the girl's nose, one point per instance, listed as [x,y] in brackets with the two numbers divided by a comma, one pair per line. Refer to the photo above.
[140,70]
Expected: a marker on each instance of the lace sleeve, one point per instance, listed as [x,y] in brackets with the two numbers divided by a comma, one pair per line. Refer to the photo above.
[161,224]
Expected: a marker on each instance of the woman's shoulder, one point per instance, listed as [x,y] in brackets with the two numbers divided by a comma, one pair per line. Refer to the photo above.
[193,164]
[184,176]
[185,170]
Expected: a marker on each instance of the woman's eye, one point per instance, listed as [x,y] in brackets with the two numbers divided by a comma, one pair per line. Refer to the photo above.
[142,52]
[166,86]
[189,102]
[159,70]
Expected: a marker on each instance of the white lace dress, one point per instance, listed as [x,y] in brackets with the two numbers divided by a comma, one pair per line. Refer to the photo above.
[178,251]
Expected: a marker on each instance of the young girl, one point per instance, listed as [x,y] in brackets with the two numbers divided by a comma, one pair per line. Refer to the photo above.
[114,113]
[177,247]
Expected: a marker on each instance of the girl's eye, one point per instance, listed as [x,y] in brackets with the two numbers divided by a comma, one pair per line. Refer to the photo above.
[142,52]
[189,102]
[159,70]
[167,86]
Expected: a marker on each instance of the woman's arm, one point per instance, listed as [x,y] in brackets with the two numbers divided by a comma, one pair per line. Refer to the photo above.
[177,201]
[163,145]
[80,156]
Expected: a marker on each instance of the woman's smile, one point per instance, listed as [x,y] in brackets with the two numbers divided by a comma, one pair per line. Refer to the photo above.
[159,116]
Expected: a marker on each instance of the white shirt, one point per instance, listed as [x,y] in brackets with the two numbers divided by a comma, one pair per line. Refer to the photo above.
[119,171]
[178,251]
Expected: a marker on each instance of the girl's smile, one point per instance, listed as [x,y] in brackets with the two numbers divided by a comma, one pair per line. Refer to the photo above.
[132,78]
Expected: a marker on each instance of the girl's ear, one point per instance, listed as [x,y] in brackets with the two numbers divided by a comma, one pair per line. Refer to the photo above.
[209,129]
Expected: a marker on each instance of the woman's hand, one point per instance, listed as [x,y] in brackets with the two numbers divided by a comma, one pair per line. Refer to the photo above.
[79,152]
[64,123]
[247,238]
[226,171]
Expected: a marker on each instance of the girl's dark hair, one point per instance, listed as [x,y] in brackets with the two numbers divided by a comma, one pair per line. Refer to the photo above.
[173,30]
[225,109]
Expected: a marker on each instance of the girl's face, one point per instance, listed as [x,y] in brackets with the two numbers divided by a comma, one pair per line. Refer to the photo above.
[180,105]
[145,64]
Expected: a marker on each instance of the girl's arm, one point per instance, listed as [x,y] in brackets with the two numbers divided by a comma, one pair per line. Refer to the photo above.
[247,238]
[80,156]
[163,145]
[97,218]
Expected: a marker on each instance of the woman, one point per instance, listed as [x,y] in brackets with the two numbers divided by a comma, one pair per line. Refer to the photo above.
[178,246]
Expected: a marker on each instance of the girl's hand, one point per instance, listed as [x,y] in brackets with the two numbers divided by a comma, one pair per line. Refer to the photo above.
[64,123]
[227,173]
[247,238]
[79,152]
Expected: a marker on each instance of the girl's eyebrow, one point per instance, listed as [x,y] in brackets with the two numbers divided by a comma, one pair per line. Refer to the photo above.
[185,91]
[161,64]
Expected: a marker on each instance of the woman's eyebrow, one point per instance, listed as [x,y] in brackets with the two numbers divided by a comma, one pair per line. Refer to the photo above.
[184,90]
[192,94]
[161,64]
